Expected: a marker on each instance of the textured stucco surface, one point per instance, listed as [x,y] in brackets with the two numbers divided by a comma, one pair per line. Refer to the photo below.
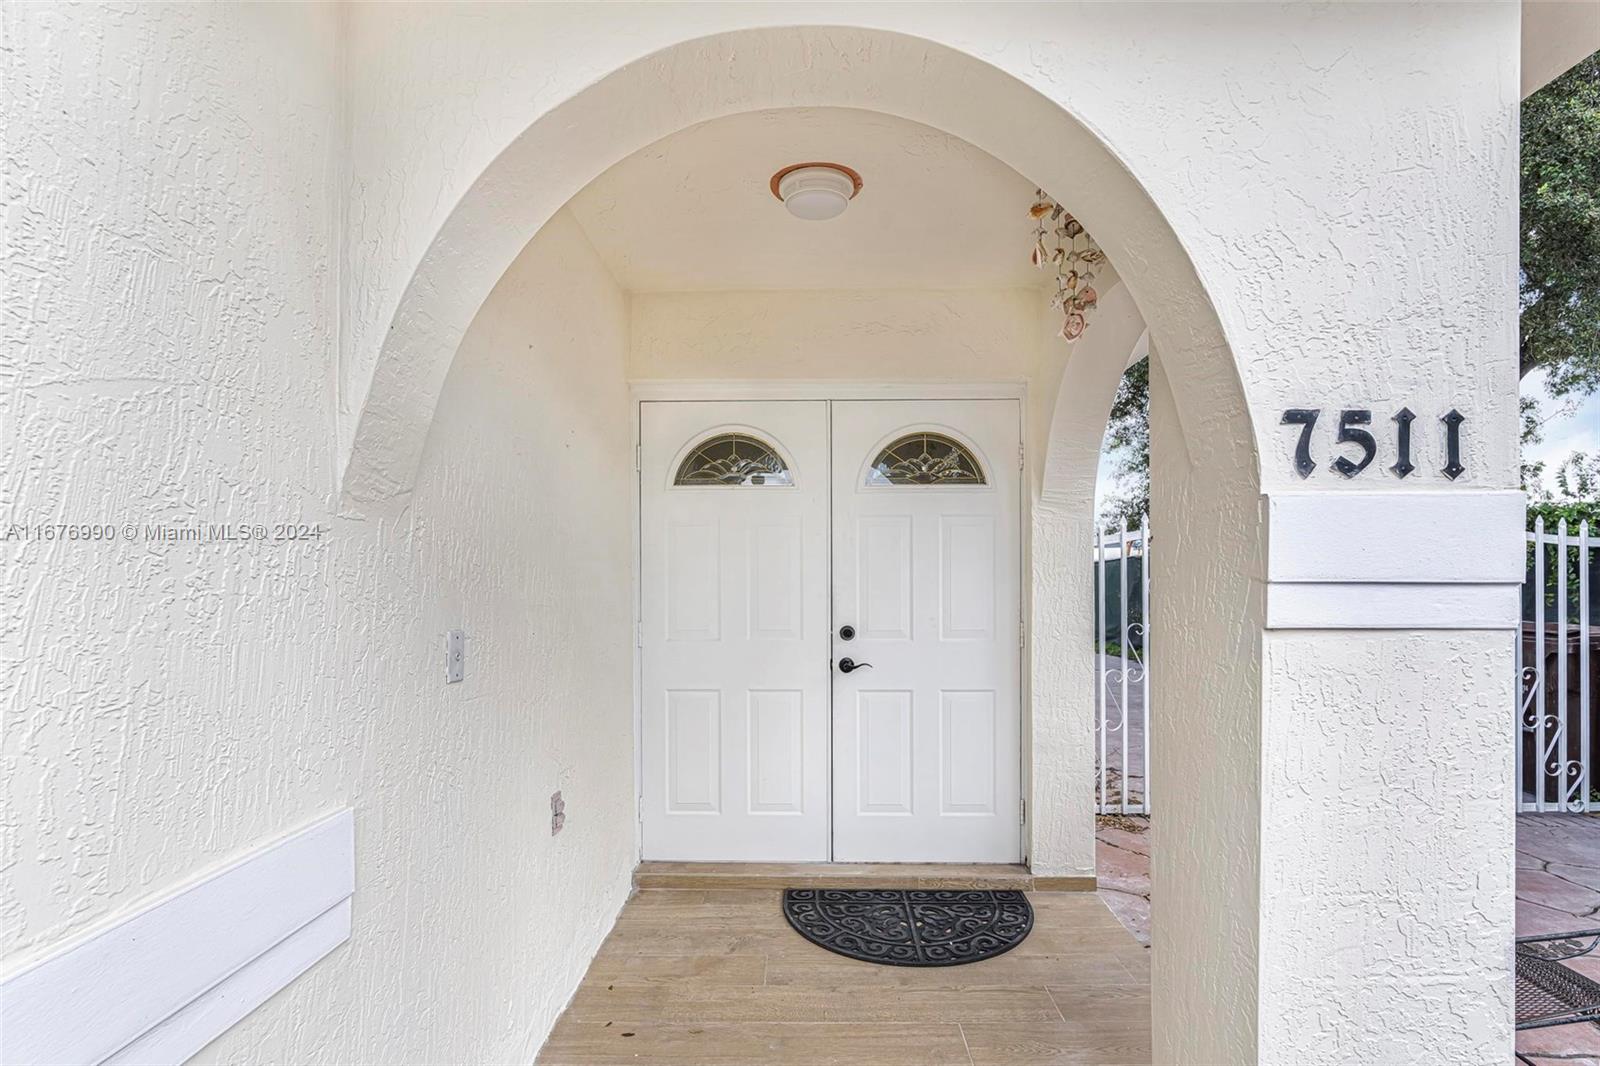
[170,323]
[1362,729]
[168,706]
[1204,731]
[479,921]
[250,241]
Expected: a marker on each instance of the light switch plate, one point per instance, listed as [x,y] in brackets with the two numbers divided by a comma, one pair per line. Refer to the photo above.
[455,656]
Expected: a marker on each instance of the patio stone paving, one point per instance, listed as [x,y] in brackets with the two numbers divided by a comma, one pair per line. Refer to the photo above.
[1122,865]
[1558,890]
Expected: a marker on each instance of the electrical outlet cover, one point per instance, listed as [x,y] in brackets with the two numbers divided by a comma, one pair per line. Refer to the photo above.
[455,656]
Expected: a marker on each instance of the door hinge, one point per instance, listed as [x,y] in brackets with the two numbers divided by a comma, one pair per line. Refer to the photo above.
[1022,633]
[1022,812]
[1021,452]
[638,458]
[638,634]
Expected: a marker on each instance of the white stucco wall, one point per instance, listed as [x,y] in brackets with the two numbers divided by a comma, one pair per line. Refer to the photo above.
[170,325]
[857,335]
[169,706]
[1350,217]
[472,922]
[1354,740]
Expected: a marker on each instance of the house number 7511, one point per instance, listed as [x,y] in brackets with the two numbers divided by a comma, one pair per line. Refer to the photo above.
[1352,432]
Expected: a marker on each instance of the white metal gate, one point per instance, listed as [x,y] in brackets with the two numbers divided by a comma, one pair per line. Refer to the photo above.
[1122,654]
[1555,742]
[1558,658]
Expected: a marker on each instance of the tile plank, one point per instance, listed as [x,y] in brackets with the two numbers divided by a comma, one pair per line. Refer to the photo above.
[703,971]
[639,1004]
[1061,1044]
[593,1044]
[1089,967]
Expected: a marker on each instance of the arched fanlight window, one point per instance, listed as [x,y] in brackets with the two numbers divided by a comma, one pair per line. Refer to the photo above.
[733,459]
[925,459]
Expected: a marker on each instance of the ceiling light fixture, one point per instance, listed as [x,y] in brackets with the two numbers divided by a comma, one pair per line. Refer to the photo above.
[816,191]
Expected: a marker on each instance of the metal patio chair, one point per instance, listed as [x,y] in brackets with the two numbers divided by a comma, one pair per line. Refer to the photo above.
[1549,993]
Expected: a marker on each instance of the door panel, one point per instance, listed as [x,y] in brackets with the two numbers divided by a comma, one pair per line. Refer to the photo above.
[927,570]
[967,577]
[777,593]
[884,589]
[968,742]
[885,760]
[693,755]
[777,751]
[734,618]
[694,580]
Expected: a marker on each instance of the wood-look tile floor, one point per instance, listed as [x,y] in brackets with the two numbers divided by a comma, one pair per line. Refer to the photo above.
[717,978]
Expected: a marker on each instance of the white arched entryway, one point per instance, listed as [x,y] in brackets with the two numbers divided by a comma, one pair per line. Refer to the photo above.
[912,78]
[1205,975]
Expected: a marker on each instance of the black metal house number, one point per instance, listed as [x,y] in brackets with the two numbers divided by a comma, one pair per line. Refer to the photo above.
[1351,432]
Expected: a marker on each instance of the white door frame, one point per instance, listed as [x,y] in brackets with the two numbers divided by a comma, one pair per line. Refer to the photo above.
[648,389]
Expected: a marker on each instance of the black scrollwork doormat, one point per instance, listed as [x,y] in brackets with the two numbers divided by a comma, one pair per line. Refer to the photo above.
[910,927]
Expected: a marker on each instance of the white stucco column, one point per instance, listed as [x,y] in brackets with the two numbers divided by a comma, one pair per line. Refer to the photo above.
[1069,425]
[1387,828]
[1204,735]
[1332,859]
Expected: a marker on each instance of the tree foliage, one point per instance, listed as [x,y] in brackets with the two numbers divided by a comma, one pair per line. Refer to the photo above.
[1560,189]
[1128,438]
[1574,511]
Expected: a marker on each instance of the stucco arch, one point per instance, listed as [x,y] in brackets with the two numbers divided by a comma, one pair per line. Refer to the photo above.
[1205,439]
[695,80]
[1062,537]
[1091,371]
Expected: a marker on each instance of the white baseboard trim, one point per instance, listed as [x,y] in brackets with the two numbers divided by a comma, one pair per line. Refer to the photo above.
[161,983]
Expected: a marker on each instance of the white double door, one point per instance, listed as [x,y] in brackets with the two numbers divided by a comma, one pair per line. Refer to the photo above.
[830,630]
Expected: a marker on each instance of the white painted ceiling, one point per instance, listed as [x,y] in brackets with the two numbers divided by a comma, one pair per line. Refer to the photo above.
[693,212]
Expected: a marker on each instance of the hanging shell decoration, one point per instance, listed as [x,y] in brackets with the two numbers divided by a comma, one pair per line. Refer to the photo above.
[1060,243]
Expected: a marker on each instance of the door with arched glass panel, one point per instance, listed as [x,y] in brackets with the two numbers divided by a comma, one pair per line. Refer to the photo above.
[734,628]
[926,577]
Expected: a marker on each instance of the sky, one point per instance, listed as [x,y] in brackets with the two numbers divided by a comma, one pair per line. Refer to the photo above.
[1568,427]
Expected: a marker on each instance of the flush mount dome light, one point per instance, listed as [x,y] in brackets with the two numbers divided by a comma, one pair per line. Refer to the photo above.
[816,191]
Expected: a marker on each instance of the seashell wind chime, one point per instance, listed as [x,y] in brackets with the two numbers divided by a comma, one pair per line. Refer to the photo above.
[1060,242]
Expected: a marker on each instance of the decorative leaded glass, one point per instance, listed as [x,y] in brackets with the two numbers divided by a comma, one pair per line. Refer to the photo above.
[733,459]
[925,459]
